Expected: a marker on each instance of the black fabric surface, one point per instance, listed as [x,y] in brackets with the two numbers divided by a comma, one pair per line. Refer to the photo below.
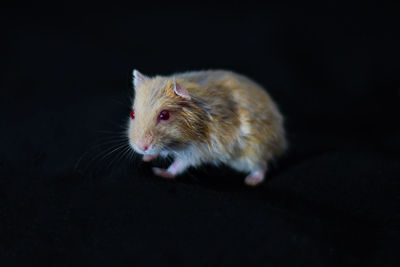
[332,200]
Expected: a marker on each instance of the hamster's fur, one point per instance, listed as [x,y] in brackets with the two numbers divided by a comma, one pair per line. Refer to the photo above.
[213,116]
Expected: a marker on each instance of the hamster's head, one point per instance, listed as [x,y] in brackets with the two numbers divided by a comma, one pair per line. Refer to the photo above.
[164,116]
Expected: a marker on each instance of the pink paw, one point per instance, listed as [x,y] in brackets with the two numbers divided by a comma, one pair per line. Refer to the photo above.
[254,179]
[163,173]
[148,158]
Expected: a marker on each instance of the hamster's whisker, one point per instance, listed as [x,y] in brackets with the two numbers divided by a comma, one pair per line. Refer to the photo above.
[118,157]
[102,155]
[112,150]
[121,125]
[130,96]
[126,154]
[105,143]
[111,142]
[117,133]
[132,155]
[117,101]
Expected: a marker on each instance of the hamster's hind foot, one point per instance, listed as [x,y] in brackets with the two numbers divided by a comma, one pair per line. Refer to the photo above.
[256,177]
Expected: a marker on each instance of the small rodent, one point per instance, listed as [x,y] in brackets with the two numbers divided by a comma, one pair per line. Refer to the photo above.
[214,116]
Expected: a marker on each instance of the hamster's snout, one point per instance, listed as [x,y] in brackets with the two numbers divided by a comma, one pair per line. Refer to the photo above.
[144,145]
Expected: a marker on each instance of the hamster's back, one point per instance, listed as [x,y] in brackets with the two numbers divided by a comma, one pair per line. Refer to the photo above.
[247,93]
[259,119]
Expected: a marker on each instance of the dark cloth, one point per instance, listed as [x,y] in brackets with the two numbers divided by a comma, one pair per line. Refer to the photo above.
[66,198]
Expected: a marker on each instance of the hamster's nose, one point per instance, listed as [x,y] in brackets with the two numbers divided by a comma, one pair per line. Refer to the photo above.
[143,146]
[144,143]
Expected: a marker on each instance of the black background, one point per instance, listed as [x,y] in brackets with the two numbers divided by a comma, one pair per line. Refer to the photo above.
[65,82]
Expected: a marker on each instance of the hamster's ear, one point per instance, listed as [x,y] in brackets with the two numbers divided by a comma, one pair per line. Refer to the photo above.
[138,78]
[181,91]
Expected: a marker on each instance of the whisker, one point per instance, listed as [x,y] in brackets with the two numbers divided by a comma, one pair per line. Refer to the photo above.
[117,157]
[121,124]
[103,154]
[117,133]
[112,150]
[112,145]
[119,102]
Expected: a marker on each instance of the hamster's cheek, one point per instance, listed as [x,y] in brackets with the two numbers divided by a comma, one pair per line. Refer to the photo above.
[131,135]
[173,130]
[131,142]
[130,128]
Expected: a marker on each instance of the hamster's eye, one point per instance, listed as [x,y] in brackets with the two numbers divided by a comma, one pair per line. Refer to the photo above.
[132,114]
[164,115]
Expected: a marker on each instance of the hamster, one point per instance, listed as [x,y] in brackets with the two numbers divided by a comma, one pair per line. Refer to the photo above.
[214,116]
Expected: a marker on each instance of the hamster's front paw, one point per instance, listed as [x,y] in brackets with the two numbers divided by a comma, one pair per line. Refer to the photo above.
[177,167]
[148,158]
[163,173]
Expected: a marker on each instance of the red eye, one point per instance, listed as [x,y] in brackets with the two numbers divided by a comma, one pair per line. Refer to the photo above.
[132,114]
[164,115]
